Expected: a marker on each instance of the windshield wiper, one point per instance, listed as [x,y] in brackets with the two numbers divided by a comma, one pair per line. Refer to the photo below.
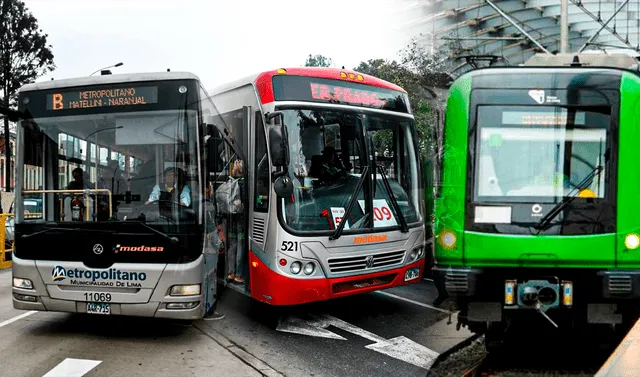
[352,201]
[174,240]
[392,198]
[569,198]
[49,229]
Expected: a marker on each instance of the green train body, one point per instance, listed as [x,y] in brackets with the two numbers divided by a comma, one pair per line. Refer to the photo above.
[519,143]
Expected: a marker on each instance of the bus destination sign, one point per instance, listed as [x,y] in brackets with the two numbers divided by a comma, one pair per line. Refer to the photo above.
[107,97]
[339,94]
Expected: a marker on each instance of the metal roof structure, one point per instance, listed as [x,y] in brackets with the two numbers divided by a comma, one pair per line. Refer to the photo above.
[511,31]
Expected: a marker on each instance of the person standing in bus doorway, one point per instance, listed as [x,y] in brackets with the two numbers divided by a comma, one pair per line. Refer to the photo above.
[236,250]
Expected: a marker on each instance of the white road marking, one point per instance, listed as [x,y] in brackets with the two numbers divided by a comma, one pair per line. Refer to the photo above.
[315,328]
[407,350]
[415,302]
[400,348]
[72,368]
[427,279]
[17,318]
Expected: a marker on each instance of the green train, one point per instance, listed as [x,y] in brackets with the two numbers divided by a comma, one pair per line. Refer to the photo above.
[537,194]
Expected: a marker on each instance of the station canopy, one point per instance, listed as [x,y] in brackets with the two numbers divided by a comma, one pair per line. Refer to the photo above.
[478,33]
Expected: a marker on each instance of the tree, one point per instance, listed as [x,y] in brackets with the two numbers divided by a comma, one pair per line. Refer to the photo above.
[420,74]
[24,56]
[318,61]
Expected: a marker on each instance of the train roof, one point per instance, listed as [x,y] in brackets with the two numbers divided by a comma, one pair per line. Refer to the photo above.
[320,72]
[108,79]
[586,60]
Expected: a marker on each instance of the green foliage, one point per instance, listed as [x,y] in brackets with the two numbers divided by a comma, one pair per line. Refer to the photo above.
[24,56]
[24,53]
[318,61]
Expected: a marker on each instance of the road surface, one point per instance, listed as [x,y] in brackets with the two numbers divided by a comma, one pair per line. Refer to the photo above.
[394,332]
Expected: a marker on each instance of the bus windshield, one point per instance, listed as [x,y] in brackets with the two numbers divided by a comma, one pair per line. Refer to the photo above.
[137,165]
[329,151]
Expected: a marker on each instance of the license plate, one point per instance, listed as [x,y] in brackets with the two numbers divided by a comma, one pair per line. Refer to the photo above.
[412,273]
[98,308]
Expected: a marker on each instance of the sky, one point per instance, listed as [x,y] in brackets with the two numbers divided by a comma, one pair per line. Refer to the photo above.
[219,40]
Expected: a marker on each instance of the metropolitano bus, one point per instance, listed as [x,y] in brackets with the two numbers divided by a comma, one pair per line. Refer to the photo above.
[312,236]
[111,239]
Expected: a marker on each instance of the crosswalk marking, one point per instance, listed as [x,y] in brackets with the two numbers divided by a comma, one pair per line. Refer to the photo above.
[72,368]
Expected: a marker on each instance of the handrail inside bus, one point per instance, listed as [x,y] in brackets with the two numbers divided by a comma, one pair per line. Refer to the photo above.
[624,361]
[85,192]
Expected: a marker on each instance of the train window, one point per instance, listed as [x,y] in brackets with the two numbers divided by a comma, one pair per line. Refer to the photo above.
[540,154]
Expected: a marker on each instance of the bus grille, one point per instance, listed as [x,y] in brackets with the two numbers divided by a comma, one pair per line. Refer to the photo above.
[258,230]
[348,286]
[364,262]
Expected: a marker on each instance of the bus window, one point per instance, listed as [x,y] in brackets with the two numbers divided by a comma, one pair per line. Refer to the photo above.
[261,167]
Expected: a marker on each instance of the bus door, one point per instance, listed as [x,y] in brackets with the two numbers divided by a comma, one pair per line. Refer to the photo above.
[228,174]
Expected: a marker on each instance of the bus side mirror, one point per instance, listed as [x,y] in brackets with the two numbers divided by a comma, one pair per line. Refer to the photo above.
[278,140]
[278,146]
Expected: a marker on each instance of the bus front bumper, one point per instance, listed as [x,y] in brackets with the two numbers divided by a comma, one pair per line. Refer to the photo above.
[273,288]
[149,309]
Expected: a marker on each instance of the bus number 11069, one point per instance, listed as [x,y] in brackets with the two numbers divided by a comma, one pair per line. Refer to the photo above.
[97,297]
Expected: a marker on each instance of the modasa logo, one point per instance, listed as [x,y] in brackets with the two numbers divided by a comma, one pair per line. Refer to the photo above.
[138,249]
[60,273]
[370,239]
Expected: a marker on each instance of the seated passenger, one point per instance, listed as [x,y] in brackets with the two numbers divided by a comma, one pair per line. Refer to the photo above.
[173,186]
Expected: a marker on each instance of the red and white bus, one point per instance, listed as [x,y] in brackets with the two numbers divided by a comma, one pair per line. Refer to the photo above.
[331,183]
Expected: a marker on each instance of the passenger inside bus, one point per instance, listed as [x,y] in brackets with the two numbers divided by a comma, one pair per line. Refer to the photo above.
[145,178]
[112,179]
[80,180]
[236,251]
[328,167]
[174,183]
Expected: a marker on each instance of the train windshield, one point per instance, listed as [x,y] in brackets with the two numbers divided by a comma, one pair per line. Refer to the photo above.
[134,164]
[541,154]
[331,149]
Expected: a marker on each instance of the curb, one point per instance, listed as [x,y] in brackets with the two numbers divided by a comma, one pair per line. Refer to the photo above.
[239,352]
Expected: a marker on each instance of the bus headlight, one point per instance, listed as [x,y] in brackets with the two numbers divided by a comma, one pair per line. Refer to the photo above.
[632,241]
[296,267]
[309,268]
[416,253]
[22,283]
[185,290]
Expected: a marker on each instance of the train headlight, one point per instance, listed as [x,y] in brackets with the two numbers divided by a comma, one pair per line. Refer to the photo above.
[632,241]
[309,268]
[448,239]
[296,267]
